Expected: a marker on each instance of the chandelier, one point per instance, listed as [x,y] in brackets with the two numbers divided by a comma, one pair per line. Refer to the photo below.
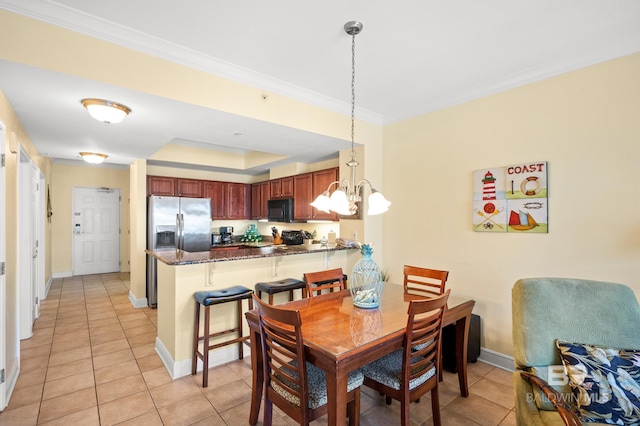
[345,199]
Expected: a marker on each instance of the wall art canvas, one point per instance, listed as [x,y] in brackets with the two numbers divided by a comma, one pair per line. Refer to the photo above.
[511,199]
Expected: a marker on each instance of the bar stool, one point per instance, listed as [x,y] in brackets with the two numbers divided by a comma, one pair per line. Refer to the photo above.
[206,299]
[287,284]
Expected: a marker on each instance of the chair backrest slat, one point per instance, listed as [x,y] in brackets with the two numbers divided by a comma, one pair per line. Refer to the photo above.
[423,336]
[424,281]
[317,282]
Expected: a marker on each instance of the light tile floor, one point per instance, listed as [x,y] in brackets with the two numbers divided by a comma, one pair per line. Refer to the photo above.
[91,361]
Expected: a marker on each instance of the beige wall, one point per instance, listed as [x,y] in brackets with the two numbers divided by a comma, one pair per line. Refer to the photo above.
[63,179]
[15,140]
[586,124]
[138,234]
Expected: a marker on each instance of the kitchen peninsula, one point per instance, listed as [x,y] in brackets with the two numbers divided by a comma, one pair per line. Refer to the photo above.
[181,274]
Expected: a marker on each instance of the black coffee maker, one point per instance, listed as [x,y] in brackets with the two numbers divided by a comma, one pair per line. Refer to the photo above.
[226,234]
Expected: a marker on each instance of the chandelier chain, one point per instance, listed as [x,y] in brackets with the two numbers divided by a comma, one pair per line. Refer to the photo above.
[353,92]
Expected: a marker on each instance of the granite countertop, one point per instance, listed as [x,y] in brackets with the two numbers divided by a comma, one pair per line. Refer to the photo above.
[239,252]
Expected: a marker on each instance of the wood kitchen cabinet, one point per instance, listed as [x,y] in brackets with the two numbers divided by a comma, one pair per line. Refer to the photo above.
[321,180]
[282,187]
[217,191]
[174,187]
[229,200]
[306,188]
[161,185]
[303,196]
[189,188]
[238,200]
[260,194]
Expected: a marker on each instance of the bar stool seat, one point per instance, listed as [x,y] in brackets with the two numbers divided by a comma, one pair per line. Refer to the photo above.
[207,299]
[273,287]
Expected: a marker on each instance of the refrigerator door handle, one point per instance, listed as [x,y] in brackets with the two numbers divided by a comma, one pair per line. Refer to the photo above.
[179,231]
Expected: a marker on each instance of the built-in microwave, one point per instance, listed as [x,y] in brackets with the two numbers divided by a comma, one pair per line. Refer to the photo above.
[280,210]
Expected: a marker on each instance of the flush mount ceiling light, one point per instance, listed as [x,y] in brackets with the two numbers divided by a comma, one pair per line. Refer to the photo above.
[106,111]
[344,199]
[93,157]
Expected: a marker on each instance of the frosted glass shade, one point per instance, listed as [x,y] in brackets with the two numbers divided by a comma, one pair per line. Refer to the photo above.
[339,203]
[377,203]
[106,111]
[322,202]
[93,158]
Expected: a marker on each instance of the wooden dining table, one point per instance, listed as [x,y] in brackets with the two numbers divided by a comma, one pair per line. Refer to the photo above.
[339,338]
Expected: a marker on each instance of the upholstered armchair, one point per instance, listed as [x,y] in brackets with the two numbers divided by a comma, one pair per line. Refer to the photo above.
[599,317]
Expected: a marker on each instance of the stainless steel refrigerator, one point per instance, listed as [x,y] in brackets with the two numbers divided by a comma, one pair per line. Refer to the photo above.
[175,223]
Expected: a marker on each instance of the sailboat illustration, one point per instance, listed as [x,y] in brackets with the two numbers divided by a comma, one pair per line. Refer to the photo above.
[521,221]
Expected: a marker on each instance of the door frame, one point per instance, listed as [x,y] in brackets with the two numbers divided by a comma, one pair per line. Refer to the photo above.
[29,210]
[3,282]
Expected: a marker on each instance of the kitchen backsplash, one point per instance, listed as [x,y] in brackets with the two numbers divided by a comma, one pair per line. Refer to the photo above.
[241,226]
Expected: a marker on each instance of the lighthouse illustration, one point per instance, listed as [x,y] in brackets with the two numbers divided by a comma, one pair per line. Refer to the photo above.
[488,187]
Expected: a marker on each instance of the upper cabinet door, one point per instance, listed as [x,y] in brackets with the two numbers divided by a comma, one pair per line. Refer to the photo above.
[161,185]
[287,187]
[321,180]
[256,201]
[260,194]
[282,187]
[217,191]
[189,188]
[238,203]
[302,196]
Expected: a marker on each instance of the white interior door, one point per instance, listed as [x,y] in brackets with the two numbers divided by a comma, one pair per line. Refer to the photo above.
[35,244]
[3,290]
[25,278]
[41,218]
[96,231]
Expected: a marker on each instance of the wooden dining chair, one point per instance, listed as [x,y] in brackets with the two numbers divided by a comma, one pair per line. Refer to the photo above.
[317,282]
[406,374]
[295,386]
[424,281]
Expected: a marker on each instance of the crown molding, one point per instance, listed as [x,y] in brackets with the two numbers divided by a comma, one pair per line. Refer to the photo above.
[596,54]
[62,16]
[68,18]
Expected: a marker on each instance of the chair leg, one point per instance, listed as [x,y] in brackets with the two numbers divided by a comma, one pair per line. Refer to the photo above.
[239,325]
[268,412]
[387,400]
[196,335]
[271,299]
[205,349]
[405,418]
[435,405]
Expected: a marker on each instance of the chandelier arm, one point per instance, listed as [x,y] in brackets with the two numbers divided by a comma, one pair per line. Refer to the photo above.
[362,182]
[333,183]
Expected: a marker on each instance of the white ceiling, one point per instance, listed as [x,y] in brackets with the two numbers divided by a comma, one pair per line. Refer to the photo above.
[412,57]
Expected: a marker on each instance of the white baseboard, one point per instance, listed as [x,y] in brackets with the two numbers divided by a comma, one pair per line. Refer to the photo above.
[137,303]
[61,274]
[10,384]
[183,368]
[47,287]
[496,359]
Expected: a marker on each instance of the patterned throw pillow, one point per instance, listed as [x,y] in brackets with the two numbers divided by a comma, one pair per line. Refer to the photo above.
[605,382]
